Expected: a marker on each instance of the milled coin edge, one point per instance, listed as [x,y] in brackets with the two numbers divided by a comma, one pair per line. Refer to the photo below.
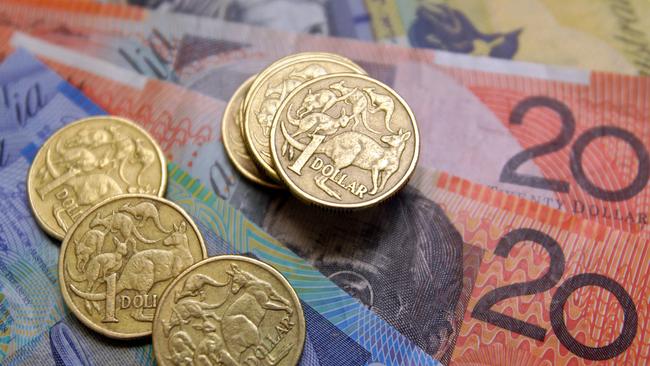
[304,196]
[64,246]
[245,86]
[53,232]
[266,266]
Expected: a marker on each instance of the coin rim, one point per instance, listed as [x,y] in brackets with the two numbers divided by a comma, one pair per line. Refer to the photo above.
[30,173]
[281,62]
[295,189]
[64,246]
[283,280]
[268,73]
[225,133]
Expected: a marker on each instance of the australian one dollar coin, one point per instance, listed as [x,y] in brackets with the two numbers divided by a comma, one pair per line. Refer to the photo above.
[271,87]
[233,138]
[344,141]
[229,310]
[117,259]
[88,161]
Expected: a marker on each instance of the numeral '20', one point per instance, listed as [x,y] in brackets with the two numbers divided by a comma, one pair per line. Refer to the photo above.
[509,172]
[482,310]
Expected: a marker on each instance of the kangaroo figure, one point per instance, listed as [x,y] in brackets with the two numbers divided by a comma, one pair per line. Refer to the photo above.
[91,243]
[323,99]
[324,125]
[195,286]
[148,267]
[323,122]
[80,158]
[181,349]
[89,138]
[245,314]
[353,148]
[144,156]
[144,211]
[266,113]
[120,223]
[212,351]
[124,148]
[309,72]
[359,104]
[93,188]
[282,88]
[188,309]
[101,266]
[380,102]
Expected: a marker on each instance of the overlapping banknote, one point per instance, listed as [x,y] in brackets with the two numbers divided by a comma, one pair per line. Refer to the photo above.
[37,328]
[572,139]
[601,35]
[463,273]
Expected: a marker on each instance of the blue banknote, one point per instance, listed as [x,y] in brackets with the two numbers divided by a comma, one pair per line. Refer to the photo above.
[27,87]
[37,328]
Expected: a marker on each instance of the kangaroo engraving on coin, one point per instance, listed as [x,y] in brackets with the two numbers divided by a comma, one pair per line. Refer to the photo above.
[118,258]
[88,161]
[229,310]
[233,138]
[271,87]
[344,141]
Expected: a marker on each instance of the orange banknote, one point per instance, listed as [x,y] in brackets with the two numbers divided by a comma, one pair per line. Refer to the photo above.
[542,287]
[571,139]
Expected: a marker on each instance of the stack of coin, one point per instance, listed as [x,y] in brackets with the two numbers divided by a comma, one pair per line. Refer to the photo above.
[133,263]
[317,124]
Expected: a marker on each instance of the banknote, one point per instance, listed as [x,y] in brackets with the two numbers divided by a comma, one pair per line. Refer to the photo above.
[539,75]
[569,138]
[481,277]
[249,199]
[550,288]
[383,269]
[329,309]
[361,259]
[37,328]
[308,16]
[602,35]
[26,88]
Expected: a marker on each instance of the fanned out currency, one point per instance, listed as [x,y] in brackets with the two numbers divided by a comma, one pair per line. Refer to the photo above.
[364,281]
[571,139]
[332,309]
[608,35]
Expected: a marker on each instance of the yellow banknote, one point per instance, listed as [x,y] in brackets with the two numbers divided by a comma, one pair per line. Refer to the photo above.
[609,35]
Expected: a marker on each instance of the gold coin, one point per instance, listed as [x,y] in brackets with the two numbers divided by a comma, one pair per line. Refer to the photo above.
[352,153]
[117,260]
[229,310]
[272,86]
[88,161]
[288,60]
[233,138]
